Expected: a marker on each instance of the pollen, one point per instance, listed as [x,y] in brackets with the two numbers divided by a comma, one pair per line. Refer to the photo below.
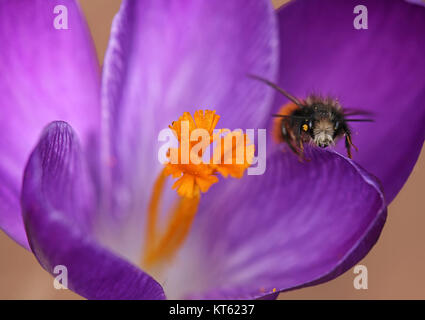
[194,172]
[192,179]
[194,134]
[234,153]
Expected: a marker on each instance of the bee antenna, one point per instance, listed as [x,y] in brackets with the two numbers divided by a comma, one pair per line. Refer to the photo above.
[360,120]
[274,86]
[287,116]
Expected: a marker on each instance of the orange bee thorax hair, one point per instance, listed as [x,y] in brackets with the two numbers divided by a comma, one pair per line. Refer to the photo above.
[285,110]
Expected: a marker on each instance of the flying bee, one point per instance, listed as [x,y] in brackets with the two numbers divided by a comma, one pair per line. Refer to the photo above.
[315,120]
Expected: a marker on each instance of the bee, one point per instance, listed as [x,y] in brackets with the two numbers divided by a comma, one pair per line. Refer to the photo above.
[316,120]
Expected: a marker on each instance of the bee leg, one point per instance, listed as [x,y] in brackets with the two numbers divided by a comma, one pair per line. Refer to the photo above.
[301,146]
[349,144]
[352,144]
[291,140]
[299,140]
[348,147]
[295,150]
[297,147]
[299,152]
[301,157]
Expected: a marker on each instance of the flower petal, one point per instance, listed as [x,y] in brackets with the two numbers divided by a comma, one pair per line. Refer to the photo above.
[380,70]
[296,225]
[418,2]
[46,74]
[58,203]
[167,57]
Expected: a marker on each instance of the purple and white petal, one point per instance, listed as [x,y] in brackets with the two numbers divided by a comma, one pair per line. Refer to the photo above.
[47,74]
[58,203]
[167,57]
[418,2]
[298,224]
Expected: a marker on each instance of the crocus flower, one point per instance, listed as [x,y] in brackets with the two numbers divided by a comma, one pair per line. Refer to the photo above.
[89,176]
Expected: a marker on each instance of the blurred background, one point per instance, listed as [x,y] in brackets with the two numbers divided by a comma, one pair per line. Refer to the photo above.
[396,265]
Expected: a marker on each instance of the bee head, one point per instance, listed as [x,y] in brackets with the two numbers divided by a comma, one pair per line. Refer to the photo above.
[323,133]
[322,129]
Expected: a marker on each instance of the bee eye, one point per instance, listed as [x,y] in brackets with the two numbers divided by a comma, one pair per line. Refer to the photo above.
[336,125]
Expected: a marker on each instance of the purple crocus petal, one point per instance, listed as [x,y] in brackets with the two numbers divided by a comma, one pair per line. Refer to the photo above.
[46,74]
[272,296]
[381,70]
[296,225]
[57,202]
[418,2]
[167,57]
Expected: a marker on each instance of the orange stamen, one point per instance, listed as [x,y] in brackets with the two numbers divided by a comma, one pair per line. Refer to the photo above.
[236,156]
[175,233]
[153,209]
[194,176]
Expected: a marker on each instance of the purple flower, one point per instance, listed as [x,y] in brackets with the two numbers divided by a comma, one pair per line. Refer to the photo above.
[87,183]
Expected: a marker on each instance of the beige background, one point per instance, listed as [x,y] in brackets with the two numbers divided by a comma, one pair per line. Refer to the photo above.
[396,264]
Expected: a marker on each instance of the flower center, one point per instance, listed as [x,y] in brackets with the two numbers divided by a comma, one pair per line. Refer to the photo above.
[194,175]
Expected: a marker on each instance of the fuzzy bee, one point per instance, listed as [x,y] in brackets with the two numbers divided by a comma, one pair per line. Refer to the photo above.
[315,120]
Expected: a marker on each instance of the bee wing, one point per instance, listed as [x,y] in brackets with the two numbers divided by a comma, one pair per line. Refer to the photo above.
[287,116]
[357,112]
[359,120]
[348,112]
